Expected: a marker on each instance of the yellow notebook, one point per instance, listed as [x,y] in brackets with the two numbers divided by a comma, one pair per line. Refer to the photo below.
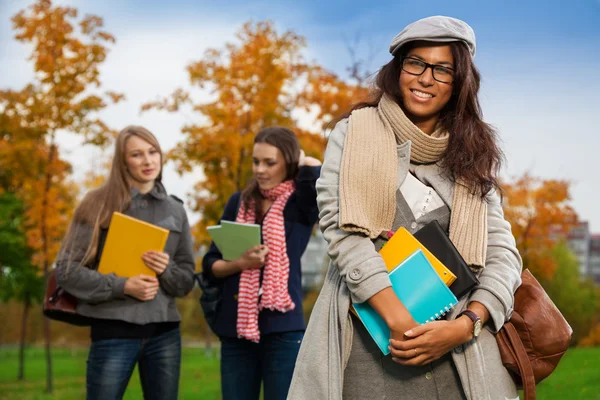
[402,244]
[127,239]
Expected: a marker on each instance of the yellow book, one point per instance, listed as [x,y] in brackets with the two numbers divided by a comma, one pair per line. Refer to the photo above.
[127,240]
[402,244]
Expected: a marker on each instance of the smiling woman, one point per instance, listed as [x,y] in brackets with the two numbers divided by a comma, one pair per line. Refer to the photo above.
[435,160]
[133,320]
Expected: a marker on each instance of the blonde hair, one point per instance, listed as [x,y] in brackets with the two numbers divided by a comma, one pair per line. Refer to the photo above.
[98,205]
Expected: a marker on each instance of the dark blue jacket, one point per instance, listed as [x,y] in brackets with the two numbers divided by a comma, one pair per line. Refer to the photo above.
[300,215]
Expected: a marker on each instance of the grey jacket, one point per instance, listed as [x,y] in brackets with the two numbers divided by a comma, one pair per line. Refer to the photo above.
[357,272]
[102,296]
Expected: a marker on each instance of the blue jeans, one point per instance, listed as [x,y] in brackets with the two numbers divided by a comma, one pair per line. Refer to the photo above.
[245,365]
[111,362]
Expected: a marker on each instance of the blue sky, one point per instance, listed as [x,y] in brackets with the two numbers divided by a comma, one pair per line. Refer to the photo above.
[539,62]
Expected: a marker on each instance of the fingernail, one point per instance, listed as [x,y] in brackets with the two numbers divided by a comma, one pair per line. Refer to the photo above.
[394,359]
[408,333]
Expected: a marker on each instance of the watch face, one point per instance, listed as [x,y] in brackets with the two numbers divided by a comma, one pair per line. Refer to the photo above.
[477,328]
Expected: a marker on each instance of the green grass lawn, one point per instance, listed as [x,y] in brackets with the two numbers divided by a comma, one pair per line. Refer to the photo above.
[577,377]
[199,376]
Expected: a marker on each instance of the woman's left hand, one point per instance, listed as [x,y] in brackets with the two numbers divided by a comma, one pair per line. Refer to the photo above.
[428,342]
[305,160]
[157,261]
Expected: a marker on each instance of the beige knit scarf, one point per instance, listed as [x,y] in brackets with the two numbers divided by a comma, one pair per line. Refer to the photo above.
[369,176]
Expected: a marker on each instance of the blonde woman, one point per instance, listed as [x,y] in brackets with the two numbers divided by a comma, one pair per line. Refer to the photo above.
[133,320]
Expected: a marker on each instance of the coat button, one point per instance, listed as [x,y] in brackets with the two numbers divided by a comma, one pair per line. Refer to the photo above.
[356,274]
[413,225]
[144,204]
[428,375]
[458,349]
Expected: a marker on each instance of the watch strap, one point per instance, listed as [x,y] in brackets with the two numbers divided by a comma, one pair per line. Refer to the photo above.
[472,316]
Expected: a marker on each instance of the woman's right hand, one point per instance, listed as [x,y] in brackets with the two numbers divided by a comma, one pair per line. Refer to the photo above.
[397,330]
[253,258]
[142,287]
[393,312]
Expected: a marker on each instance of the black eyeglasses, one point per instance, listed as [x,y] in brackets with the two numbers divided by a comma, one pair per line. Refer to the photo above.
[440,73]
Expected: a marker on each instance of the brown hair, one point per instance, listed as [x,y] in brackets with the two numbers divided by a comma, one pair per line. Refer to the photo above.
[98,205]
[287,142]
[473,153]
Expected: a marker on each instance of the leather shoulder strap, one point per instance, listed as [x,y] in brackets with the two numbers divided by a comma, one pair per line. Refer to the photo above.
[522,360]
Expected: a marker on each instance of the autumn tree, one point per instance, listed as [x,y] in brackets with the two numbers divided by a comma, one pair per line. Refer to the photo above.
[258,81]
[540,215]
[67,52]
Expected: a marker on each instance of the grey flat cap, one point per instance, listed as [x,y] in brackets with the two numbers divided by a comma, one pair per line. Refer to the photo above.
[436,29]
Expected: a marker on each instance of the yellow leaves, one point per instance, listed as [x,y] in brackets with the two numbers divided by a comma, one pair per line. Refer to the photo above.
[333,96]
[255,82]
[114,96]
[540,215]
[90,27]
[48,215]
[61,97]
[66,63]
[170,104]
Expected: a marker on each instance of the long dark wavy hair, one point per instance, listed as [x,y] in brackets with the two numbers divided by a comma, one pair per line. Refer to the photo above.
[473,153]
[287,142]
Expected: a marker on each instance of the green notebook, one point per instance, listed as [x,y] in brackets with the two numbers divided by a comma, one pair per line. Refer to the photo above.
[233,239]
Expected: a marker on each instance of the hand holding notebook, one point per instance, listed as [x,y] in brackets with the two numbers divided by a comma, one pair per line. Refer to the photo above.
[421,291]
[127,240]
[233,239]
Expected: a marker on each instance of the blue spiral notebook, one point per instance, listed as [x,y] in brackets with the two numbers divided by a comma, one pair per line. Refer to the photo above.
[419,288]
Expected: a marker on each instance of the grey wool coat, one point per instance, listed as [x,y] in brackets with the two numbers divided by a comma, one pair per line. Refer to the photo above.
[357,272]
[103,296]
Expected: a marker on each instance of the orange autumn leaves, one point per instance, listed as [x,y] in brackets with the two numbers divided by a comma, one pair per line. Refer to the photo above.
[66,53]
[540,215]
[258,81]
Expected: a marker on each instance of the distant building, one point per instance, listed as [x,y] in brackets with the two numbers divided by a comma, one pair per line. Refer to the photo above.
[579,243]
[314,262]
[594,258]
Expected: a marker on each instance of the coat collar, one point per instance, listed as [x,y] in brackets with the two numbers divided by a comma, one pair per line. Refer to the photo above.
[158,192]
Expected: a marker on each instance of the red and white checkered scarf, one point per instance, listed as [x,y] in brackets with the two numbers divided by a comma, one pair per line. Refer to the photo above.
[275,295]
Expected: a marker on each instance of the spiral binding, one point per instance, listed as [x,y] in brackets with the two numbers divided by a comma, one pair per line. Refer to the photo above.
[443,312]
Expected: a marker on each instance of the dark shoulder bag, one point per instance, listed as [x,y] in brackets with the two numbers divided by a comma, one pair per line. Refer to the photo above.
[210,299]
[60,305]
[536,337]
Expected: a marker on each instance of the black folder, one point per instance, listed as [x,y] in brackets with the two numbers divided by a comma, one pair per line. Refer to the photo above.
[438,243]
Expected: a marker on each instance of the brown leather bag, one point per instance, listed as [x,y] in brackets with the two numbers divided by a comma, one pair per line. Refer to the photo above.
[60,305]
[536,337]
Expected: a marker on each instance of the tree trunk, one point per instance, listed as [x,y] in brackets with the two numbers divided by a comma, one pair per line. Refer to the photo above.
[24,319]
[45,250]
